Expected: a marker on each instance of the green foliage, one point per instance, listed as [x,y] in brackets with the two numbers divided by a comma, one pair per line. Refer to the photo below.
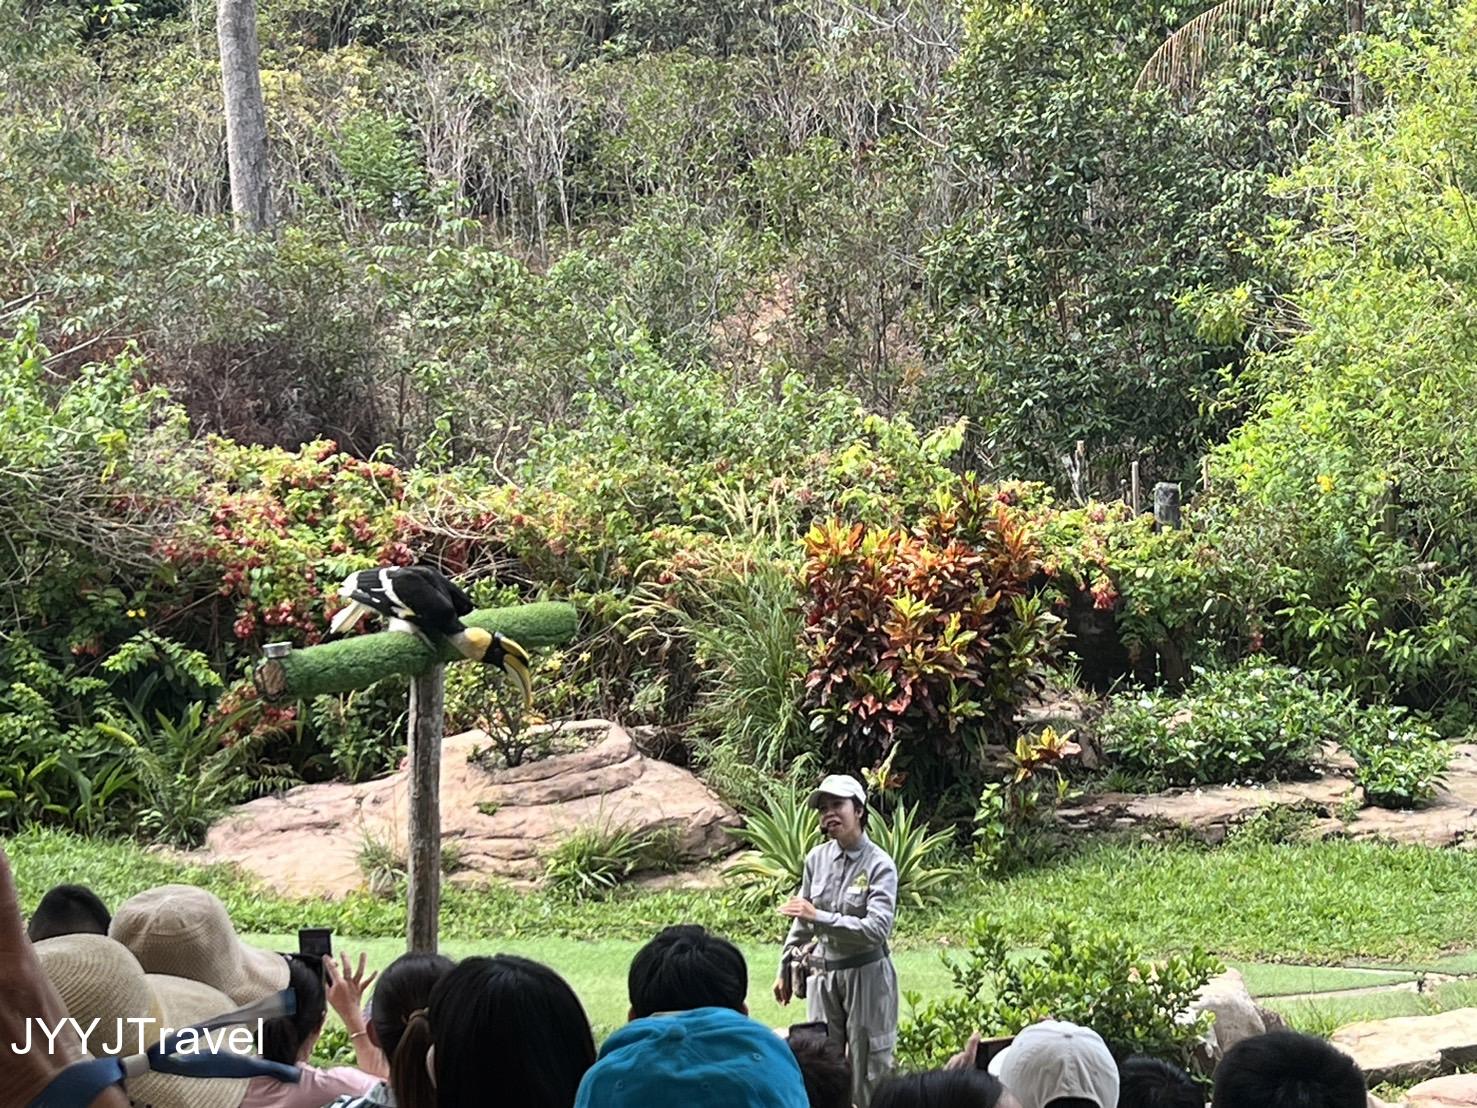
[363,731]
[1089,976]
[1339,491]
[744,624]
[81,459]
[593,859]
[1400,761]
[1256,722]
[1275,825]
[1261,722]
[190,769]
[1014,813]
[1161,585]
[908,842]
[923,639]
[1056,292]
[779,838]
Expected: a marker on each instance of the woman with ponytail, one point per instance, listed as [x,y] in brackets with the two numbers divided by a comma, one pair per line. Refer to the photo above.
[497,1031]
[396,1013]
[290,1040]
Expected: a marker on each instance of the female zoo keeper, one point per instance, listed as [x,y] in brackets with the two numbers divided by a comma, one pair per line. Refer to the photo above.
[847,901]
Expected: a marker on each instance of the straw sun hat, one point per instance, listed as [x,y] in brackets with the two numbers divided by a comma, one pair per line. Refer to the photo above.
[186,932]
[99,979]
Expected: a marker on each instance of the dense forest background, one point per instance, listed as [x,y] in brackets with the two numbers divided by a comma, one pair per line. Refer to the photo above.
[618,300]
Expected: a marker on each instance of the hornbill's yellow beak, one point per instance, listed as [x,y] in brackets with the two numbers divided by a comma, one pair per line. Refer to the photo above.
[515,664]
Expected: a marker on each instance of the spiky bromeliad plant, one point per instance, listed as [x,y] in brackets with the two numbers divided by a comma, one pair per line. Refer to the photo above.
[781,836]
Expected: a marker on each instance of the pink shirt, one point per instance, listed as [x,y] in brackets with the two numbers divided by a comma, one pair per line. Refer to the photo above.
[314,1089]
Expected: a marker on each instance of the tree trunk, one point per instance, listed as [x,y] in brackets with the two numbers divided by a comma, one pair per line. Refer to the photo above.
[246,114]
[1356,79]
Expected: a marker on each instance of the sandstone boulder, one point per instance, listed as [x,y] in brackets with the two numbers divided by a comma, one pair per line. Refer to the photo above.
[1237,1017]
[502,822]
[1456,1091]
[1407,1049]
[1212,811]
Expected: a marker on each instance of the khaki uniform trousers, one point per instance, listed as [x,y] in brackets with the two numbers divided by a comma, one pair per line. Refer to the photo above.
[860,1009]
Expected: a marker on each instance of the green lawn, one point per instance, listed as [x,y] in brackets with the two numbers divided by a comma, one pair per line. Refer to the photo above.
[1392,911]
[1387,914]
[1318,902]
[597,969]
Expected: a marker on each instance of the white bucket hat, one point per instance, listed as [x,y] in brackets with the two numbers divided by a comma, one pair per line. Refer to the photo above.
[185,931]
[1051,1059]
[98,979]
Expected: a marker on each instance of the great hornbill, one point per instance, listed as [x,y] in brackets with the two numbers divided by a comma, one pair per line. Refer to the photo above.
[419,599]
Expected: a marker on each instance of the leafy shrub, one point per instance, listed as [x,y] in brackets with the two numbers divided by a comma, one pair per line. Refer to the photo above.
[1399,761]
[923,638]
[1013,813]
[76,751]
[83,464]
[1336,495]
[1256,722]
[190,769]
[1083,976]
[742,617]
[284,528]
[592,860]
[363,731]
[1160,585]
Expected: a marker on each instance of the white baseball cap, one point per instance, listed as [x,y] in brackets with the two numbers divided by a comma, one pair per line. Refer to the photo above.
[839,784]
[1050,1060]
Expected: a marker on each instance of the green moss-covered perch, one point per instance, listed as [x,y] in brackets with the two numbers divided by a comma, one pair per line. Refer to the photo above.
[355,663]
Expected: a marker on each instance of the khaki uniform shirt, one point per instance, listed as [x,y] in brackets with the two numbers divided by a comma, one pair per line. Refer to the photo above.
[855,897]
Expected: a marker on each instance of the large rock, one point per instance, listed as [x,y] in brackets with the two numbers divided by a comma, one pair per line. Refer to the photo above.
[1211,812]
[502,822]
[1237,1017]
[1407,1049]
[1457,1091]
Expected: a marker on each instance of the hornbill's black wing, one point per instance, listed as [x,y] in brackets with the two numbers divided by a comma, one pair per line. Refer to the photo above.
[460,602]
[396,592]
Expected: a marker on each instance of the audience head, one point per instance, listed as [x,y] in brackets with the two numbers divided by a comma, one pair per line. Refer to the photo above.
[404,988]
[504,1029]
[290,1039]
[1285,1069]
[715,1057]
[687,967]
[1060,1065]
[1150,1083]
[68,910]
[824,1067]
[962,1088]
[185,932]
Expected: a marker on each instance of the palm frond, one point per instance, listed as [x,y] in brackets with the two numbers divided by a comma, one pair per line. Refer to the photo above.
[1182,60]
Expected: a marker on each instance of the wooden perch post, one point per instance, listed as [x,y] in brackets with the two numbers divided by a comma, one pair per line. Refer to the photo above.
[360,661]
[427,720]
